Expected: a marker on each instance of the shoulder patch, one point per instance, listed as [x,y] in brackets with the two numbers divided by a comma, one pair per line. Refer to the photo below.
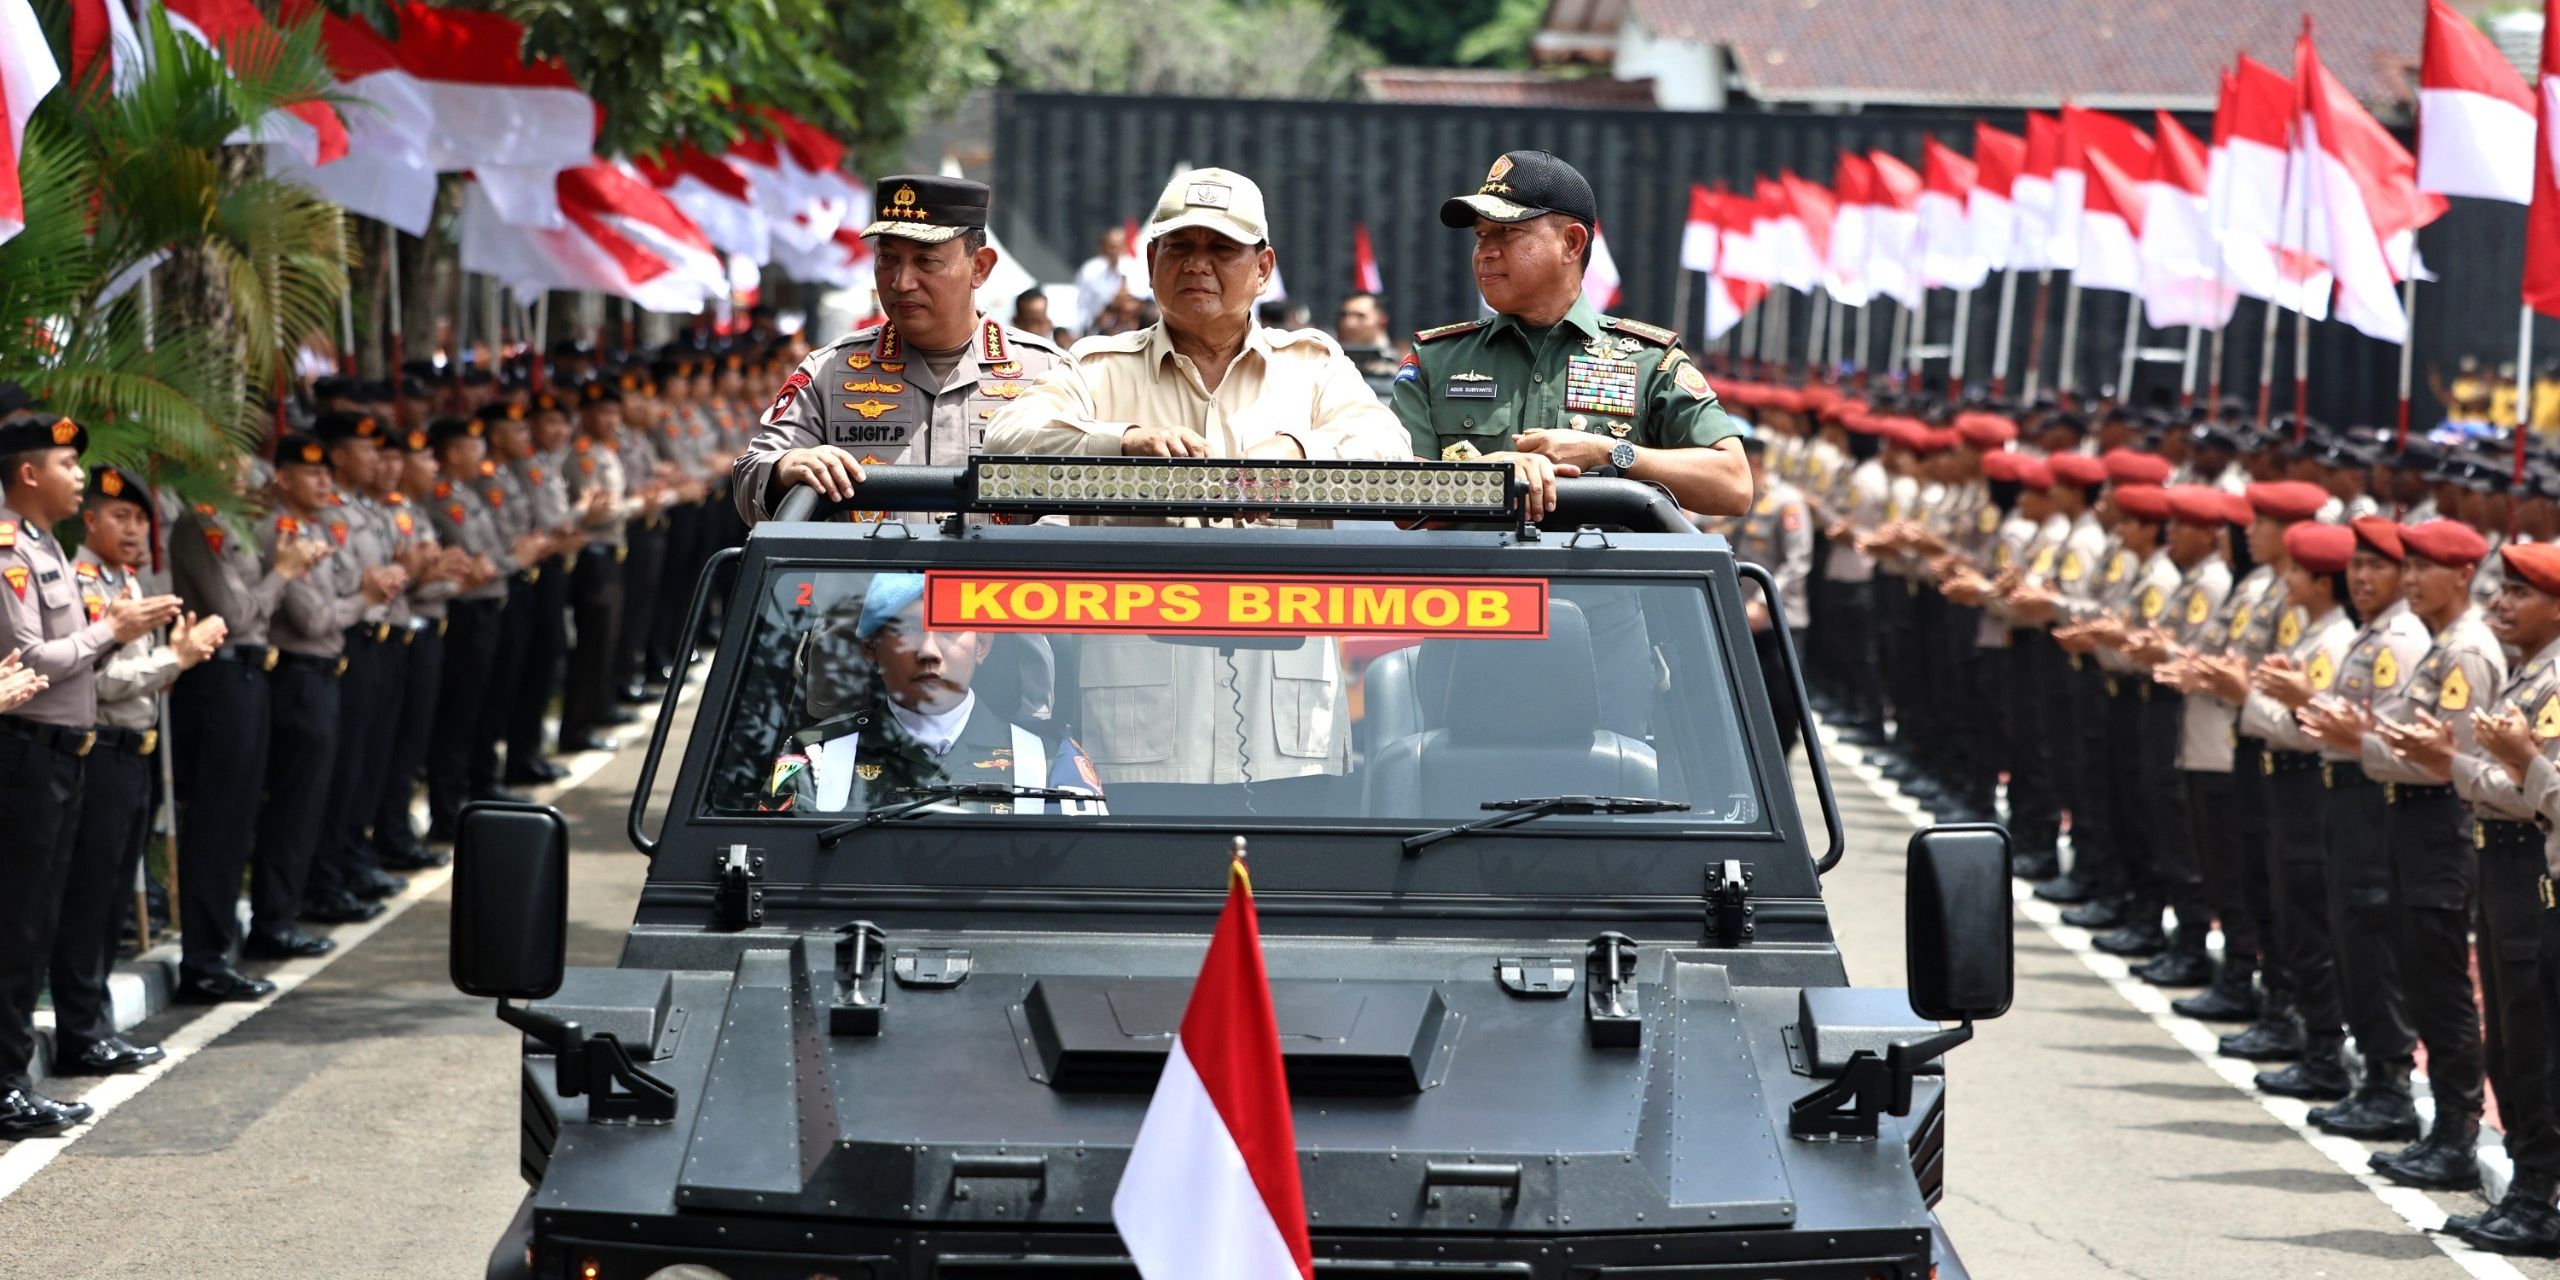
[1447,330]
[1133,340]
[1640,329]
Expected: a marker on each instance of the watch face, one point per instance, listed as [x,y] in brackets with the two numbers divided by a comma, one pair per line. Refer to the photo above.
[1622,455]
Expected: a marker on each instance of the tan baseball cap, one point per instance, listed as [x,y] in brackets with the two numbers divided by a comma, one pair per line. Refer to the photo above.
[1221,200]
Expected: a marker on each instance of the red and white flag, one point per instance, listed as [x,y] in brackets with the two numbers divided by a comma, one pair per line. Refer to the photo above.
[1812,210]
[2361,206]
[2110,227]
[1364,262]
[1991,211]
[1779,228]
[1852,231]
[2542,221]
[1893,253]
[1728,301]
[2245,192]
[1947,257]
[513,124]
[1699,233]
[1211,1187]
[2101,221]
[103,31]
[1742,248]
[616,235]
[2475,115]
[238,33]
[27,73]
[716,195]
[2033,195]
[2181,266]
[798,184]
[386,174]
[1600,279]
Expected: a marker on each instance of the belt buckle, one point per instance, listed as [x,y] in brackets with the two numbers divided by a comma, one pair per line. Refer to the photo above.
[533,575]
[2479,834]
[621,554]
[381,632]
[268,663]
[150,741]
[2112,690]
[2327,779]
[408,637]
[2267,763]
[2391,793]
[342,667]
[2543,883]
[440,625]
[88,743]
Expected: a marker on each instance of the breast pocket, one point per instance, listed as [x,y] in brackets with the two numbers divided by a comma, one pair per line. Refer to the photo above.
[1127,687]
[1306,688]
[61,606]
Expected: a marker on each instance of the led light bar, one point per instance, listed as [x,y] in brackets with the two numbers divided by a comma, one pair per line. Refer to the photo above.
[1230,486]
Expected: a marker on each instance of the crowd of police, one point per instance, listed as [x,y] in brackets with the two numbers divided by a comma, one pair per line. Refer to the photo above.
[2293,683]
[396,595]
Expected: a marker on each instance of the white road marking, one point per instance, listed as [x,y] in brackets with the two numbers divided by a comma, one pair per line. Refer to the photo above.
[24,1159]
[2413,1206]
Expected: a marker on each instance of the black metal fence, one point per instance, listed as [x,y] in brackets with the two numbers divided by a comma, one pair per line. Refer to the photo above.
[1069,165]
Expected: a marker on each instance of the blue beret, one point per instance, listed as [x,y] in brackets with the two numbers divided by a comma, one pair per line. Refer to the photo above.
[889,596]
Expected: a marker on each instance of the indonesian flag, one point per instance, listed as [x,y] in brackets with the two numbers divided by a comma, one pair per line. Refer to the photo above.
[1991,211]
[1893,255]
[514,124]
[2033,194]
[103,29]
[1947,259]
[1133,264]
[804,195]
[1778,233]
[1364,262]
[716,195]
[844,261]
[617,236]
[1211,1188]
[2105,221]
[2361,198]
[27,73]
[239,34]
[2475,115]
[1852,232]
[2181,266]
[1743,250]
[385,174]
[2110,228]
[1600,279]
[1728,301]
[1811,212]
[2542,221]
[2245,191]
[1698,235]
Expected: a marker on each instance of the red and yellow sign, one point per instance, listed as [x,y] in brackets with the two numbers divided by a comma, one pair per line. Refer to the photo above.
[1179,604]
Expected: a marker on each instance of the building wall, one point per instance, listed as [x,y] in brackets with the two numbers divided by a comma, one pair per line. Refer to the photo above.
[1685,73]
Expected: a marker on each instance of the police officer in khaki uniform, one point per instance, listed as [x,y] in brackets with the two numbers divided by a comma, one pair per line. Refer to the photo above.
[404,484]
[1777,533]
[919,389]
[44,742]
[463,521]
[614,501]
[369,695]
[543,473]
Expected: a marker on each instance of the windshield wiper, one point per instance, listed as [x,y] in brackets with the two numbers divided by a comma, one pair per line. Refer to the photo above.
[1515,812]
[927,797]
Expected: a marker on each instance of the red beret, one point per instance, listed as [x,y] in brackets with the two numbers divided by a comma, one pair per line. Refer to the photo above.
[2196,504]
[2447,542]
[2124,466]
[2034,473]
[2538,563]
[2077,468]
[2000,465]
[2379,534]
[2235,508]
[2143,501]
[2320,548]
[1856,418]
[1819,397]
[2287,501]
[1985,430]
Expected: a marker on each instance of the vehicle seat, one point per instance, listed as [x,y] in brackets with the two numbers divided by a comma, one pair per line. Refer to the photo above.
[1405,691]
[1522,719]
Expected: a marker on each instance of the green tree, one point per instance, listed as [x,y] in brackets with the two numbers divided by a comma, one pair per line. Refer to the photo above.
[1417,35]
[1231,48]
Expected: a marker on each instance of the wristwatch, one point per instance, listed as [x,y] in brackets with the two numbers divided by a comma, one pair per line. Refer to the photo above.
[1622,455]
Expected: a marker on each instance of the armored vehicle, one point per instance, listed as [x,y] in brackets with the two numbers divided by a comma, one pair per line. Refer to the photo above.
[1555,986]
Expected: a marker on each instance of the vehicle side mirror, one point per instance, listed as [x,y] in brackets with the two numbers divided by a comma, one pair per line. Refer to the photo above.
[510,901]
[1958,953]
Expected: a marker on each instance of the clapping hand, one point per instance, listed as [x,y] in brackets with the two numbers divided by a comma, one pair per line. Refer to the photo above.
[17,684]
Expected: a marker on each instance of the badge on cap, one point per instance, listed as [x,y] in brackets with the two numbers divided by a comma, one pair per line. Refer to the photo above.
[111,483]
[65,431]
[1208,195]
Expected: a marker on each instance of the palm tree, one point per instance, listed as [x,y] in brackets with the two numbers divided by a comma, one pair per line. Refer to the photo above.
[235,268]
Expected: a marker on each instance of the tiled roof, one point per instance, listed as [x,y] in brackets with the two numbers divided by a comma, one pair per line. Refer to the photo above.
[2166,53]
[1495,88]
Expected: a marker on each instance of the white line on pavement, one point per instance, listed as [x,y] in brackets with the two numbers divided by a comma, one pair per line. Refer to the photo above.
[2349,1155]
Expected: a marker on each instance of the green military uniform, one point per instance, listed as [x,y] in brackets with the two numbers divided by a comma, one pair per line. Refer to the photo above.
[1467,389]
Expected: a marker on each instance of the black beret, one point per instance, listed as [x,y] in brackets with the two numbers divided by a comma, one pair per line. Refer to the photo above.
[25,430]
[294,449]
[339,425]
[118,483]
[444,431]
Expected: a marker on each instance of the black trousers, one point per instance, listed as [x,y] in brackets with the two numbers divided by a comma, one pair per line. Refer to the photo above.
[412,731]
[40,788]
[504,683]
[1854,653]
[549,647]
[115,819]
[2245,892]
[2035,807]
[2362,918]
[470,645]
[368,707]
[2298,857]
[640,601]
[1782,693]
[302,764]
[2210,840]
[686,527]
[2514,1013]
[220,720]
[2160,798]
[1900,657]
[2434,871]
[595,595]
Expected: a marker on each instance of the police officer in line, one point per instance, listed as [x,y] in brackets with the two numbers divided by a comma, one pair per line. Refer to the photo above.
[116,806]
[463,521]
[45,742]
[1777,534]
[1547,383]
[343,873]
[541,471]
[405,485]
[918,389]
[506,438]
[612,501]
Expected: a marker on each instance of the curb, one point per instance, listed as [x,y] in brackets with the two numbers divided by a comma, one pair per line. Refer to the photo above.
[140,989]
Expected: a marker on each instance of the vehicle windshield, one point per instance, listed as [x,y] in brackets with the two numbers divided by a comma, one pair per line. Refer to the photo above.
[1362,699]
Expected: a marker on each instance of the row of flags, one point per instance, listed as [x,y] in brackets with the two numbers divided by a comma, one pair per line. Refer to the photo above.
[2299,197]
[453,93]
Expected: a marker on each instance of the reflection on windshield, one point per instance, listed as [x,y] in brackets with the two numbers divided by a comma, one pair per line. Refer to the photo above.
[1402,700]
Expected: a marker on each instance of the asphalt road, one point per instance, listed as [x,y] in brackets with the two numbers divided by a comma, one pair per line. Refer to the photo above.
[364,1124]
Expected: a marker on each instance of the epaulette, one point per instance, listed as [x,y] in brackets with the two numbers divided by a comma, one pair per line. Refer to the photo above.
[8,534]
[1123,343]
[1292,337]
[1651,333]
[444,489]
[1448,330]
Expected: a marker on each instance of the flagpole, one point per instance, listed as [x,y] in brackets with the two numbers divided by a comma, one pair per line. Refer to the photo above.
[2301,371]
[2267,363]
[1777,302]
[1837,337]
[2524,383]
[1897,354]
[347,332]
[2132,336]
[2063,379]
[1724,340]
[2035,333]
[1813,328]
[1866,332]
[2187,378]
[1750,323]
[2408,350]
[391,280]
[2001,333]
[1956,355]
[1680,298]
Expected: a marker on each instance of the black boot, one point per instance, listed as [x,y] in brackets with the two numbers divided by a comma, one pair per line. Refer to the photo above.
[2100,913]
[2067,888]
[2233,997]
[2318,1076]
[2380,1111]
[2523,1224]
[2139,935]
[2179,966]
[2441,1161]
[2032,867]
